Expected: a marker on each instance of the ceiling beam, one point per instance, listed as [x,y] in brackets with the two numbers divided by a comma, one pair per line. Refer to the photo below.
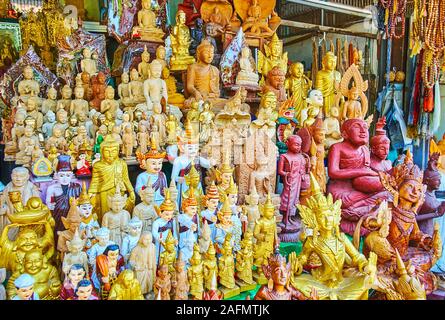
[336,7]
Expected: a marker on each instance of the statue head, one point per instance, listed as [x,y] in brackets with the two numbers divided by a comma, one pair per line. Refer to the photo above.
[29,131]
[275,46]
[103,236]
[28,73]
[196,257]
[267,209]
[212,197]
[67,92]
[27,240]
[277,269]
[180,17]
[334,112]
[76,273]
[293,143]
[146,239]
[109,93]
[253,198]
[179,264]
[355,131]
[380,143]
[189,203]
[84,289]
[62,116]
[126,278]
[297,70]
[64,174]
[145,55]
[315,98]
[19,177]
[73,122]
[31,104]
[353,93]
[165,73]
[318,131]
[33,262]
[245,52]
[167,207]
[76,245]
[24,285]
[232,192]
[52,93]
[85,76]
[225,213]
[101,78]
[125,78]
[276,77]
[112,252]
[50,117]
[155,69]
[117,201]
[134,75]
[109,149]
[146,4]
[268,101]
[135,227]
[163,271]
[160,52]
[329,61]
[205,52]
[86,53]
[20,116]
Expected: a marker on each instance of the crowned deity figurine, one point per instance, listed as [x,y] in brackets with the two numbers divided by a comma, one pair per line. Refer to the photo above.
[145,210]
[71,224]
[165,223]
[274,82]
[152,163]
[146,28]
[117,219]
[143,262]
[328,81]
[210,266]
[109,173]
[226,269]
[274,56]
[168,256]
[88,224]
[180,42]
[211,202]
[75,254]
[195,274]
[322,215]
[244,263]
[59,193]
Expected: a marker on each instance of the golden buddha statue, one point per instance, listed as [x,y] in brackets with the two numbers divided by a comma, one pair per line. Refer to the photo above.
[146,27]
[274,56]
[265,233]
[47,282]
[322,215]
[195,274]
[174,98]
[126,287]
[244,261]
[255,22]
[180,42]
[297,85]
[328,81]
[108,173]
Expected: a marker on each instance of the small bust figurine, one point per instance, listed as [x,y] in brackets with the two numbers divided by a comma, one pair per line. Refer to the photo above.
[146,28]
[116,220]
[247,74]
[50,103]
[88,64]
[180,42]
[84,291]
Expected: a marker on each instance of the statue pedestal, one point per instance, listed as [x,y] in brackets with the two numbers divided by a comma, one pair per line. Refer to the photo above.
[229,293]
[243,286]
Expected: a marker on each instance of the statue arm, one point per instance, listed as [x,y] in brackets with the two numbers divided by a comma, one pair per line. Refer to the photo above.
[126,179]
[176,170]
[280,169]
[191,83]
[357,258]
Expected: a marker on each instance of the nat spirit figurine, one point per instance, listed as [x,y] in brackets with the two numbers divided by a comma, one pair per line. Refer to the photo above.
[188,225]
[71,224]
[117,219]
[226,269]
[24,285]
[88,224]
[47,281]
[108,173]
[131,239]
[274,56]
[145,210]
[322,215]
[180,42]
[143,262]
[244,263]
[126,287]
[211,202]
[195,274]
[146,28]
[278,287]
[108,267]
[168,256]
[162,284]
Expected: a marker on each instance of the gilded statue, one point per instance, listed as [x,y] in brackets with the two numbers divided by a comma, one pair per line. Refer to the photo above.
[328,81]
[297,85]
[126,287]
[195,274]
[244,260]
[146,28]
[174,98]
[180,42]
[274,56]
[322,215]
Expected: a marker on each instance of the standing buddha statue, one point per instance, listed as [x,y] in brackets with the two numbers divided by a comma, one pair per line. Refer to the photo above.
[327,81]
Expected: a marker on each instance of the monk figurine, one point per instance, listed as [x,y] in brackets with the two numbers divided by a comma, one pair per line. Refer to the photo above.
[274,56]
[174,98]
[180,42]
[380,145]
[162,285]
[126,287]
[146,28]
[195,274]
[298,85]
[154,87]
[247,74]
[108,173]
[351,177]
[143,262]
[279,274]
[202,77]
[152,163]
[108,267]
[145,210]
[88,64]
[47,282]
[116,220]
[332,129]
[327,81]
[50,103]
[65,102]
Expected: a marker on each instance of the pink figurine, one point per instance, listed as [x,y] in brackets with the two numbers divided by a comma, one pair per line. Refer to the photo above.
[294,168]
[351,177]
[380,148]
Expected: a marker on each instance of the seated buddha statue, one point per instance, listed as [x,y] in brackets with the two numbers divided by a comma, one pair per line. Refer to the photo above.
[174,98]
[146,27]
[247,74]
[352,178]
[254,22]
[202,77]
[28,87]
[180,42]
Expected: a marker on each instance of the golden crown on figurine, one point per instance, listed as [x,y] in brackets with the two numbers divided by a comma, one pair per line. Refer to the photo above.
[190,136]
[233,188]
[406,171]
[212,191]
[153,153]
[267,206]
[189,200]
[84,198]
[167,204]
[225,210]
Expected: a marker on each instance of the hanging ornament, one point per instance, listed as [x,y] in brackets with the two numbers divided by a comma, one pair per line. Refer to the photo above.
[394,15]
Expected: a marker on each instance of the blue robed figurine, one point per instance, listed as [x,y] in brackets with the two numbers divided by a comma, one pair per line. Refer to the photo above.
[25,288]
[152,163]
[188,222]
